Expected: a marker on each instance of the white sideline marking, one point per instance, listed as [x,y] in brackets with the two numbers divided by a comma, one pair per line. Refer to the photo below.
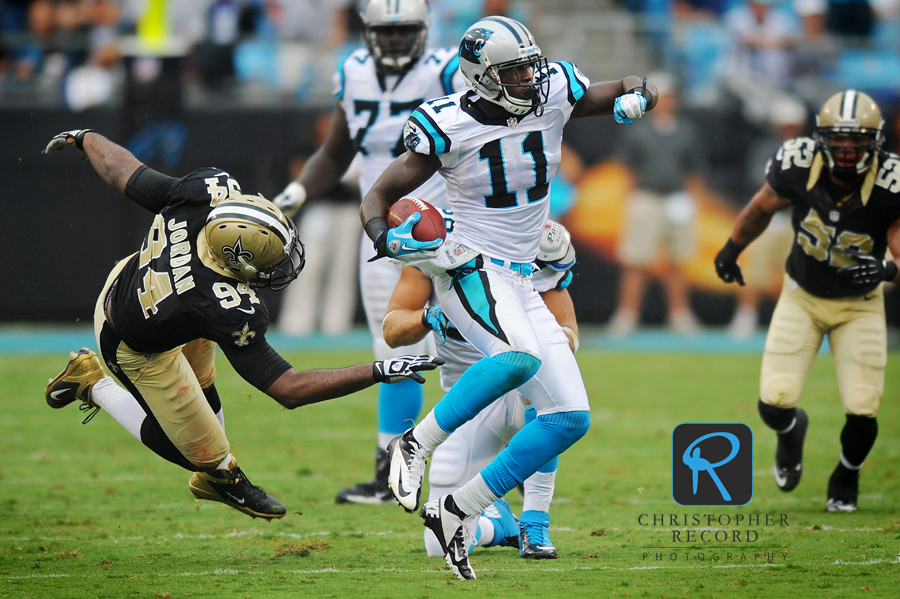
[441,572]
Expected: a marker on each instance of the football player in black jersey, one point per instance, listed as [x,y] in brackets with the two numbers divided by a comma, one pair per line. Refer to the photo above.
[844,196]
[164,309]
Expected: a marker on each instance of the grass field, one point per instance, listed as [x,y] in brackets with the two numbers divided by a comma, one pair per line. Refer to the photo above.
[87,511]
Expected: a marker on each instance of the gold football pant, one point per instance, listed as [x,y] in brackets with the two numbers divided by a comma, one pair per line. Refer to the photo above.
[856,331]
[180,425]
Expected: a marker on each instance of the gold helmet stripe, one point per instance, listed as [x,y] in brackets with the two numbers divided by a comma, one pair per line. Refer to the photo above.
[259,216]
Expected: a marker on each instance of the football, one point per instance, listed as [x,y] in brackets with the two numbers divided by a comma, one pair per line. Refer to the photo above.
[430,226]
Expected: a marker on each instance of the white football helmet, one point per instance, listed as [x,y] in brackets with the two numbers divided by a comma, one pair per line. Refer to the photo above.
[251,239]
[556,250]
[494,46]
[395,32]
[849,132]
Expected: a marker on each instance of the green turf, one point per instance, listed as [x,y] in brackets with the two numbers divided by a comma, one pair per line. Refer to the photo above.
[86,511]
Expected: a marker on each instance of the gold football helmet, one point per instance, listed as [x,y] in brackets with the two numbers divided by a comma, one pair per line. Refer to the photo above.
[849,132]
[251,239]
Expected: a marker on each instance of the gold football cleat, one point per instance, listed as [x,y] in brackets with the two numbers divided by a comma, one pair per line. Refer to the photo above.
[76,381]
[233,488]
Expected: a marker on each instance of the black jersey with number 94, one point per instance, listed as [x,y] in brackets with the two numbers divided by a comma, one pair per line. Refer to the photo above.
[168,294]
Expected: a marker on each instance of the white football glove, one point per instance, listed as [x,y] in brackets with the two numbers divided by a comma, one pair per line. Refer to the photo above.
[291,199]
[629,107]
[404,367]
[61,141]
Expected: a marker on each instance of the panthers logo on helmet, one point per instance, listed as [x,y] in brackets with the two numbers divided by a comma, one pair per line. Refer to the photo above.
[236,252]
[472,43]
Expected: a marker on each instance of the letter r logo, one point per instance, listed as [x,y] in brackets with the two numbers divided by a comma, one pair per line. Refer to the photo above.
[712,463]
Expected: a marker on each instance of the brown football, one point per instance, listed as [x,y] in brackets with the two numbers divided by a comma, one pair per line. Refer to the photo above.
[431,226]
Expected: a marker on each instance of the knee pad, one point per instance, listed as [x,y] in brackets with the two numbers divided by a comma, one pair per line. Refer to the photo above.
[862,401]
[566,427]
[519,368]
[781,391]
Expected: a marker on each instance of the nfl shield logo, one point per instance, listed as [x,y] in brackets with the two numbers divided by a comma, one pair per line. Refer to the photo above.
[513,122]
[834,216]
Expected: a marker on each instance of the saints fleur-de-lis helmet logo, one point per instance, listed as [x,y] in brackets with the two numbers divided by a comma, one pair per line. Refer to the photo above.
[237,255]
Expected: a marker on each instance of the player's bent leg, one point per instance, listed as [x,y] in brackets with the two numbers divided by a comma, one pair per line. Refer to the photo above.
[792,343]
[859,347]
[229,485]
[482,383]
[532,447]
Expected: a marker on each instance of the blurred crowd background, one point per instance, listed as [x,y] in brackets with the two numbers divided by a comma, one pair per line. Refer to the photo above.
[247,85]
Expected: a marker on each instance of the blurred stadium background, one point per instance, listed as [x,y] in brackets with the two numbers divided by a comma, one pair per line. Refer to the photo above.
[246,85]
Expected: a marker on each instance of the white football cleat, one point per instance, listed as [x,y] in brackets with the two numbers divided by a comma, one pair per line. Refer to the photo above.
[451,527]
[408,461]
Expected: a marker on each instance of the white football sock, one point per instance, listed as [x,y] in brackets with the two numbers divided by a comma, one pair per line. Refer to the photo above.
[429,434]
[539,491]
[223,465]
[120,404]
[473,497]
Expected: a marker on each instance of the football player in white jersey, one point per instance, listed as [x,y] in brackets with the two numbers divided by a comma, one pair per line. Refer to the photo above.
[413,312]
[377,88]
[497,146]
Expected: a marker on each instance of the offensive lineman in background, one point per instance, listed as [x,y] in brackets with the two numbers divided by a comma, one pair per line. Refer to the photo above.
[413,312]
[845,210]
[377,88]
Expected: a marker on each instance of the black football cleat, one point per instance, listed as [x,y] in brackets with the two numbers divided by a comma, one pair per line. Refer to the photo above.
[374,492]
[789,454]
[843,490]
[232,487]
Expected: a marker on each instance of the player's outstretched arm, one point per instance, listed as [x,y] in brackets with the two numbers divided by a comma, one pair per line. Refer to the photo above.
[113,163]
[403,321]
[750,224]
[295,389]
[600,98]
[324,169]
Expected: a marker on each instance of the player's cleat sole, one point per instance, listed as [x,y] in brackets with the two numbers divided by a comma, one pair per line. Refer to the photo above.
[534,536]
[448,523]
[843,490]
[789,454]
[233,488]
[407,470]
[374,492]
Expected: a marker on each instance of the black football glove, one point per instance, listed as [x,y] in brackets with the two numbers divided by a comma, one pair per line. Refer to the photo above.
[61,141]
[868,270]
[404,367]
[726,263]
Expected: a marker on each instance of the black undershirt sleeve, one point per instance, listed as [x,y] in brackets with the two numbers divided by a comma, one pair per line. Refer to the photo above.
[150,189]
[258,364]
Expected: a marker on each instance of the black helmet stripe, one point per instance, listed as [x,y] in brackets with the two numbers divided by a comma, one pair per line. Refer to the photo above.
[848,105]
[508,26]
[253,214]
